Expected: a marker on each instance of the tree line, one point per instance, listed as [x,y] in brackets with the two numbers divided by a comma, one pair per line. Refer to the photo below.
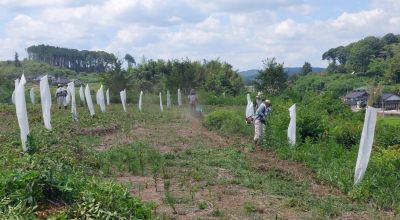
[76,60]
[160,75]
[373,56]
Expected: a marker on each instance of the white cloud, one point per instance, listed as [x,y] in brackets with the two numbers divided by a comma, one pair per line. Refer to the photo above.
[360,19]
[240,32]
[33,3]
[289,28]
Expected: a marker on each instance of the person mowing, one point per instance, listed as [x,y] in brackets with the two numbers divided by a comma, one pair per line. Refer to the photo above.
[261,115]
[61,94]
[192,100]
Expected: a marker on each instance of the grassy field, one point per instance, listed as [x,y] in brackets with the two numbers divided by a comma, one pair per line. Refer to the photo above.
[390,120]
[169,165]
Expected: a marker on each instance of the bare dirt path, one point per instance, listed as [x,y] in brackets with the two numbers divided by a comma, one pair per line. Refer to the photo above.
[198,199]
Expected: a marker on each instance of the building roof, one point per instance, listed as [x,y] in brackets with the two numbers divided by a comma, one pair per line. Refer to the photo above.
[390,97]
[353,95]
[362,88]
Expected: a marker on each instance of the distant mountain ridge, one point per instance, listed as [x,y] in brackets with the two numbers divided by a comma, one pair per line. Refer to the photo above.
[250,75]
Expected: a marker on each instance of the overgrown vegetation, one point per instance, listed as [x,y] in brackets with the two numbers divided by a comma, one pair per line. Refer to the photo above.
[328,135]
[31,68]
[63,176]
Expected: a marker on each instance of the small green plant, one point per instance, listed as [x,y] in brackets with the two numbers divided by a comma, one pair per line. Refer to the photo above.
[141,160]
[193,190]
[217,213]
[91,209]
[329,208]
[168,197]
[249,207]
[202,205]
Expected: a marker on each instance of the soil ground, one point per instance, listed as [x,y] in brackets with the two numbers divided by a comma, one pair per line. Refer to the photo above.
[203,191]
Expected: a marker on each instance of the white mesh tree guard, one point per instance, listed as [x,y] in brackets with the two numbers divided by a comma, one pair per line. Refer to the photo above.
[71,91]
[32,95]
[123,99]
[292,125]
[168,99]
[140,100]
[16,82]
[179,97]
[45,99]
[22,115]
[108,96]
[161,105]
[100,99]
[82,95]
[67,99]
[367,139]
[249,107]
[89,102]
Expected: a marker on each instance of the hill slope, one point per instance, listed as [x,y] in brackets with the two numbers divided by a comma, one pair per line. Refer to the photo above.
[31,68]
[250,75]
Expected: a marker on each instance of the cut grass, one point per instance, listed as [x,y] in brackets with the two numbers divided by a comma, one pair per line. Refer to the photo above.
[390,120]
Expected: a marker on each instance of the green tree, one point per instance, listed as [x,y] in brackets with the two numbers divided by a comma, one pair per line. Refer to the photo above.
[306,69]
[330,56]
[272,78]
[17,63]
[377,67]
[221,78]
[130,60]
[342,54]
[117,80]
[393,72]
[390,39]
[79,61]
[362,52]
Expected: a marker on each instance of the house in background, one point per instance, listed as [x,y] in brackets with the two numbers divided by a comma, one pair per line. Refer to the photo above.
[356,98]
[63,80]
[388,101]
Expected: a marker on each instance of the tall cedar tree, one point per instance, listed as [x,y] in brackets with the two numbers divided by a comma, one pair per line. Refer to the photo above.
[17,63]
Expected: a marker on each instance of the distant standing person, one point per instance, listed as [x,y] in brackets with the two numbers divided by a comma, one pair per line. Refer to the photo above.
[260,117]
[61,94]
[192,100]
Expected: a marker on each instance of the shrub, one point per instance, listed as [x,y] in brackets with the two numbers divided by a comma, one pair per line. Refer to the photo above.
[227,122]
[311,123]
[347,134]
[207,98]
[387,135]
[381,180]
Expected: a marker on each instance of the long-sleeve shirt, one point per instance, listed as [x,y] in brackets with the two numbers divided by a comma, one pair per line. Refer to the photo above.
[192,99]
[262,111]
[61,92]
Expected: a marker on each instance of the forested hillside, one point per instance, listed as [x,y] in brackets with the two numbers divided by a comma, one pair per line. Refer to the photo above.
[371,56]
[79,61]
[250,75]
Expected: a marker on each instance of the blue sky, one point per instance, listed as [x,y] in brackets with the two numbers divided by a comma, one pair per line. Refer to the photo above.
[240,32]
